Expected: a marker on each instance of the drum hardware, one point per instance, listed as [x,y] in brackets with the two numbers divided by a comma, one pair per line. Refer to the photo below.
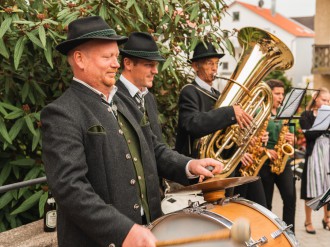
[263,240]
[224,201]
[277,233]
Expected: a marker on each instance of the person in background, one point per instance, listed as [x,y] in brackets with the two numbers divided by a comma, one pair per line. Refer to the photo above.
[316,173]
[101,164]
[284,181]
[199,117]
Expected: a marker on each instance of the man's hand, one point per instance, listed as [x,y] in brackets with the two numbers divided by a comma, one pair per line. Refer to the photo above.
[139,236]
[197,167]
[289,137]
[243,119]
[272,154]
[247,160]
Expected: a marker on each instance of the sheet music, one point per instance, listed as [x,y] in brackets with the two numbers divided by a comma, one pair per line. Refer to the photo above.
[291,103]
[322,121]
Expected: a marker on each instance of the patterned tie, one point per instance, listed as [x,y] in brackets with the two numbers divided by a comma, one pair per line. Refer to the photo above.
[215,92]
[140,101]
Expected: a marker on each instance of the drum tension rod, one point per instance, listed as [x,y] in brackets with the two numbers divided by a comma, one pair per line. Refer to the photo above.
[261,241]
[278,232]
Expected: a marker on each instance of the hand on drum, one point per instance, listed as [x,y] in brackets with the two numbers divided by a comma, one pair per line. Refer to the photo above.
[198,167]
[139,236]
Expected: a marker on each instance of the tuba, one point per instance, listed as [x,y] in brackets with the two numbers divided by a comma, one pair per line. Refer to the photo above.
[262,53]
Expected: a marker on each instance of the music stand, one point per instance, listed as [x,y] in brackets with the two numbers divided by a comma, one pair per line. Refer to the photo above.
[319,201]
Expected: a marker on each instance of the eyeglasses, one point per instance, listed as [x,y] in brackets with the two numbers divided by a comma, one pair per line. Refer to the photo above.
[212,64]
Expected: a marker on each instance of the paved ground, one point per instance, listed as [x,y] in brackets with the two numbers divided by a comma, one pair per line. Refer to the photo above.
[321,238]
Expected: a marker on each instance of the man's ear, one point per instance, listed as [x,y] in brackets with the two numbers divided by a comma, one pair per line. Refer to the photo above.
[79,58]
[195,66]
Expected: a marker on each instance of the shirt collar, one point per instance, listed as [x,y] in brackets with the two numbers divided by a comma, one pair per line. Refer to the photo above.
[203,84]
[132,89]
[112,92]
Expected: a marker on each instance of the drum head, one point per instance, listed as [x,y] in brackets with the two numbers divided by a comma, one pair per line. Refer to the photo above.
[184,225]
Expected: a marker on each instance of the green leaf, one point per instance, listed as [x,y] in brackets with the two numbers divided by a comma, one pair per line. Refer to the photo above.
[38,89]
[48,54]
[194,12]
[29,124]
[42,35]
[5,173]
[34,39]
[138,10]
[5,199]
[161,5]
[130,3]
[3,110]
[23,162]
[16,128]
[3,49]
[28,203]
[32,174]
[42,203]
[19,47]
[3,131]
[9,106]
[167,63]
[5,26]
[25,90]
[36,139]
[15,114]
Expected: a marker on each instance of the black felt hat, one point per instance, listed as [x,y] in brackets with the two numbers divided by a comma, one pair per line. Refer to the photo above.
[141,45]
[88,28]
[201,51]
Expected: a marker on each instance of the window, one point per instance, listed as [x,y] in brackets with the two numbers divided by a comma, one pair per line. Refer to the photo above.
[225,66]
[236,16]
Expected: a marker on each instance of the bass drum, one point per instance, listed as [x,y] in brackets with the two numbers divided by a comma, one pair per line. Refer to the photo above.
[191,222]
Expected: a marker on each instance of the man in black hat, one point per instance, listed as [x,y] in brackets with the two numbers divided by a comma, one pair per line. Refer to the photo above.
[197,116]
[101,165]
[140,58]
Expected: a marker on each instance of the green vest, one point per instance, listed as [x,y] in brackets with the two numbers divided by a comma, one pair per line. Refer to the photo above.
[134,148]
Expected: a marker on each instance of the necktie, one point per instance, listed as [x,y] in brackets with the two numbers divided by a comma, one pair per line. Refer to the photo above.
[140,101]
[215,92]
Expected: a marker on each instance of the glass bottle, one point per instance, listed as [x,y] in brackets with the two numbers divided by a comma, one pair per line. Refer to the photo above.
[50,215]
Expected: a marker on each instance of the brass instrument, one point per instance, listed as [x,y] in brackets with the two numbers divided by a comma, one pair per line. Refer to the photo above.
[283,150]
[259,155]
[262,52]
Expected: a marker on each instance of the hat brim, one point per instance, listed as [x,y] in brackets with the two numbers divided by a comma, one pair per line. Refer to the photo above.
[210,55]
[68,45]
[152,58]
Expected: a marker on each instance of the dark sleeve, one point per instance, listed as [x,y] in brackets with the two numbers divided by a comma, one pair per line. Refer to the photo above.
[306,122]
[197,121]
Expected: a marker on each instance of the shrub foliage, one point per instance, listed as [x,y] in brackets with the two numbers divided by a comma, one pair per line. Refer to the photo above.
[33,73]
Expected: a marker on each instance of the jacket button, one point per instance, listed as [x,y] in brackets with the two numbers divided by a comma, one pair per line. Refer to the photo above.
[128,156]
[135,159]
[132,182]
[120,131]
[112,245]
[136,206]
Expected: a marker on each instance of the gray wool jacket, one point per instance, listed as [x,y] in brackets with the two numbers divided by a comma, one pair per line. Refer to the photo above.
[90,171]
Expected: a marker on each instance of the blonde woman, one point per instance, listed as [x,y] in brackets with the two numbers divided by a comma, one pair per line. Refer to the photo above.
[316,174]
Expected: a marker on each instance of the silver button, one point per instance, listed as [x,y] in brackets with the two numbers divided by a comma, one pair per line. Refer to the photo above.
[128,156]
[136,206]
[129,141]
[139,177]
[120,132]
[132,182]
[142,196]
[120,123]
[112,245]
[135,159]
[233,118]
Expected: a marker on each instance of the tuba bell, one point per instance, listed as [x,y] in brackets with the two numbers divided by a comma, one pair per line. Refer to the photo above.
[262,52]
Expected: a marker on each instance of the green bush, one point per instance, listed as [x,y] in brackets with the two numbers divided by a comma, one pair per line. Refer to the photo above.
[33,73]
